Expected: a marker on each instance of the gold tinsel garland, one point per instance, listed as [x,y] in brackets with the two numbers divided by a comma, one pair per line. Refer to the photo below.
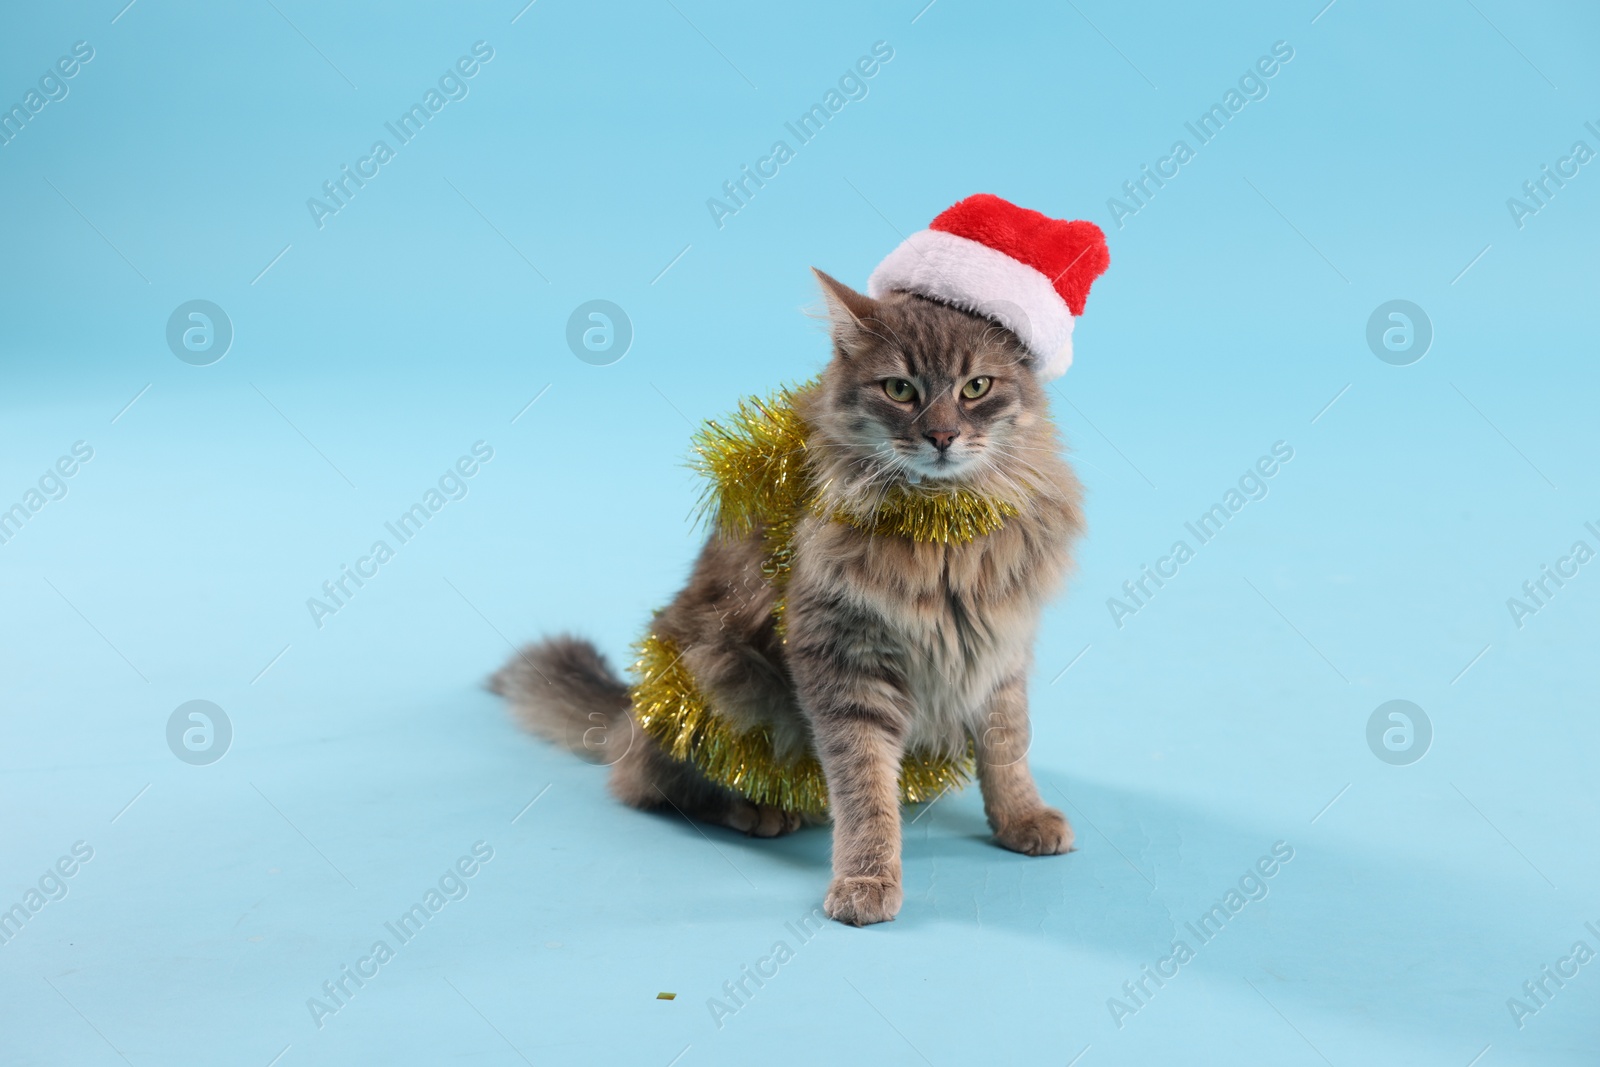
[950,517]
[669,706]
[757,479]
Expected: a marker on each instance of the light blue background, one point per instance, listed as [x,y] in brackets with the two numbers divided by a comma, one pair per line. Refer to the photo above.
[428,313]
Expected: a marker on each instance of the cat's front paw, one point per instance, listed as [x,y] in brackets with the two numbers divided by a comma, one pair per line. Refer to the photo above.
[1043,832]
[860,900]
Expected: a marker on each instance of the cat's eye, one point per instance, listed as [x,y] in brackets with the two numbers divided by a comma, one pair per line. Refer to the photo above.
[977,387]
[899,389]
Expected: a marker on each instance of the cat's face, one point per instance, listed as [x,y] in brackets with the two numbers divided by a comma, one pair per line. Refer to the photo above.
[924,391]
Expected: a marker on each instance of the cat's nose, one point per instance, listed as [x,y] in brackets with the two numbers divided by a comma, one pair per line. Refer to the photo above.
[941,438]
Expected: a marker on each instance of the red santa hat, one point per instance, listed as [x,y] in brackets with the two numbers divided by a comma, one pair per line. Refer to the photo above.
[1024,270]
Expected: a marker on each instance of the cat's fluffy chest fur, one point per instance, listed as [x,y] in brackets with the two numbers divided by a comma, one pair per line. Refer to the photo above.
[958,619]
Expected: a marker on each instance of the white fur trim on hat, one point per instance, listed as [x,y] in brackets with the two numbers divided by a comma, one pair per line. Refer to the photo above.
[980,280]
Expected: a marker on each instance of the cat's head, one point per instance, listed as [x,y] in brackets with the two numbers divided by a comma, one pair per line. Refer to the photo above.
[926,393]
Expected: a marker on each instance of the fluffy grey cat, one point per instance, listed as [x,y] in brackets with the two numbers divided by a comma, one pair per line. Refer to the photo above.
[888,644]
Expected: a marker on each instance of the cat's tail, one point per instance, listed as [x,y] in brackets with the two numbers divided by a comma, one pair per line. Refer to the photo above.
[563,689]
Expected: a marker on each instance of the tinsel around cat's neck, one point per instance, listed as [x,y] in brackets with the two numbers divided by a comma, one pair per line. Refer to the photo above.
[954,516]
[760,471]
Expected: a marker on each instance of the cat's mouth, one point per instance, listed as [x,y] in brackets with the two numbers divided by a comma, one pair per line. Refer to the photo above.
[940,465]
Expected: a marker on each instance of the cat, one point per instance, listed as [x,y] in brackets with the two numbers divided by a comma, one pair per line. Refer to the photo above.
[887,643]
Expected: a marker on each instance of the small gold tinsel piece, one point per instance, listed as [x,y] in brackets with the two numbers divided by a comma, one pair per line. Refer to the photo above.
[757,479]
[671,709]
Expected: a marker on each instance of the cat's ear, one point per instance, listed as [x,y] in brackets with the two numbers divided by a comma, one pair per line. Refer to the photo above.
[847,311]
